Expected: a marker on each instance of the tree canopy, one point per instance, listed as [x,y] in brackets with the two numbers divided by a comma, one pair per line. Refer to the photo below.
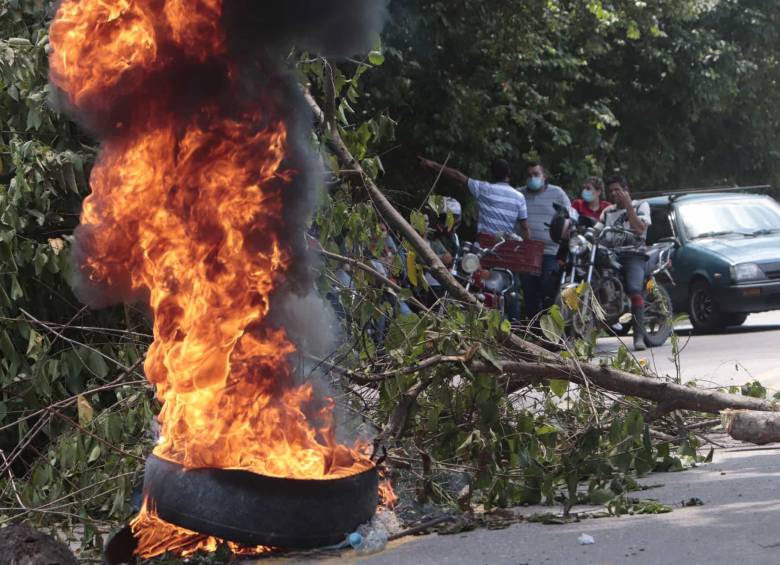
[670,93]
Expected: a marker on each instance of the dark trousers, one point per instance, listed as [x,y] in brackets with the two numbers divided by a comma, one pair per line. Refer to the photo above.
[634,266]
[539,291]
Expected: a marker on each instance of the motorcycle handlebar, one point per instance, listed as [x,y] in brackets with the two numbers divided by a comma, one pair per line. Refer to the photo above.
[613,230]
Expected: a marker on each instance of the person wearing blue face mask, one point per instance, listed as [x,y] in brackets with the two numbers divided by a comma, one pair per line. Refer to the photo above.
[540,197]
[590,203]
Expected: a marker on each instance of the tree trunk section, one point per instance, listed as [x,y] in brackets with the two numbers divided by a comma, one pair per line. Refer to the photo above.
[754,427]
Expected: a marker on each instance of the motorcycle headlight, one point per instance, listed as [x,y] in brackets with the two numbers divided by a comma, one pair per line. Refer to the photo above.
[469,263]
[747,272]
[577,245]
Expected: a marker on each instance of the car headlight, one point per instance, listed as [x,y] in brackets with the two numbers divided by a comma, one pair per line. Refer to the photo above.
[470,263]
[577,245]
[747,272]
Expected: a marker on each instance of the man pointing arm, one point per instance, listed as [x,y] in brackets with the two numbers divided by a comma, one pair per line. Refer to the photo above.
[501,207]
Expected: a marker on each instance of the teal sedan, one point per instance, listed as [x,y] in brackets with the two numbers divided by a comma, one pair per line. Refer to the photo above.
[726,264]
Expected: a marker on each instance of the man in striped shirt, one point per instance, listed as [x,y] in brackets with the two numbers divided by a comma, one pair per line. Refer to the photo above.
[501,207]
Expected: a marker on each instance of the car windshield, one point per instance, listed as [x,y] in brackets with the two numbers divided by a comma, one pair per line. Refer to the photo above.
[746,217]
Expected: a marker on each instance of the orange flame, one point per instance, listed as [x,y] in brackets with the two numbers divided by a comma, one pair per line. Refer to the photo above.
[387,496]
[156,536]
[187,210]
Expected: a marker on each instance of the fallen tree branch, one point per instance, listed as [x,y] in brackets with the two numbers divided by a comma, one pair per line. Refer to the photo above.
[522,373]
[374,273]
[657,390]
[400,415]
[393,218]
[427,363]
[117,382]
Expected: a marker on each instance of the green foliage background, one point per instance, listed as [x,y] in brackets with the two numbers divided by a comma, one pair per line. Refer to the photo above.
[670,93]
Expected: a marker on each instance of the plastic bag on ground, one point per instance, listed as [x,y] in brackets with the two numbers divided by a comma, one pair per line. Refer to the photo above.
[376,532]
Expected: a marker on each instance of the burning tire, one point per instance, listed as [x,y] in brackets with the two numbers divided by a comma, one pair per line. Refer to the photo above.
[253,509]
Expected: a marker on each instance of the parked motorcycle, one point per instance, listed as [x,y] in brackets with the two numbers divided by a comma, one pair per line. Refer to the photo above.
[493,287]
[592,294]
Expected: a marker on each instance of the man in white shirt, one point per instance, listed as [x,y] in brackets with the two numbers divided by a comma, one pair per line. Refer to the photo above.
[634,218]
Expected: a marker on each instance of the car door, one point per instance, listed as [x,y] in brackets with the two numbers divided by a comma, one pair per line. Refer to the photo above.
[661,229]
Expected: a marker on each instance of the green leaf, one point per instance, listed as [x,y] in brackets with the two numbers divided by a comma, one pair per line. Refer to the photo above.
[376,58]
[525,423]
[633,32]
[635,423]
[7,347]
[601,496]
[754,389]
[94,455]
[557,317]
[96,363]
[550,328]
[545,429]
[34,343]
[419,222]
[558,387]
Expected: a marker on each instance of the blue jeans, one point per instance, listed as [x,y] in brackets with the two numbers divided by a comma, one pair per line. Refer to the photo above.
[539,291]
[634,266]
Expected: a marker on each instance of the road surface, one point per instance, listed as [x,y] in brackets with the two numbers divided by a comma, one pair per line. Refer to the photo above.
[737,523]
[740,355]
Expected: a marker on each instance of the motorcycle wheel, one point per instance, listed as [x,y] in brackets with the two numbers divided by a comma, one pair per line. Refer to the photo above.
[658,317]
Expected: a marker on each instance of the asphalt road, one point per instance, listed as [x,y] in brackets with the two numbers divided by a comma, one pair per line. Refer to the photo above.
[735,357]
[736,523]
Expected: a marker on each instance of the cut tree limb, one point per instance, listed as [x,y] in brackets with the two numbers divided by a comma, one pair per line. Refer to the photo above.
[389,213]
[657,390]
[755,427]
[374,273]
[537,363]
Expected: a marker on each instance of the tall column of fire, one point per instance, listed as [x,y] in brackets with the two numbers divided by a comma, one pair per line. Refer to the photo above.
[199,197]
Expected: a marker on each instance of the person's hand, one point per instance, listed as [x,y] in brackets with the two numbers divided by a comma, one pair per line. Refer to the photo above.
[447,259]
[622,199]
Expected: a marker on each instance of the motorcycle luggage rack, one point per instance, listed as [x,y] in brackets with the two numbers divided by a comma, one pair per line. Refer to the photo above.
[517,256]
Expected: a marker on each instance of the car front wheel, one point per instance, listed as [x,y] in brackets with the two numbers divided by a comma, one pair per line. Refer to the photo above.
[704,310]
[736,319]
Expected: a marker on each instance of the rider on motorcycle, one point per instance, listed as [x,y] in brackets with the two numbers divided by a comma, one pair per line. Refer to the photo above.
[443,240]
[633,217]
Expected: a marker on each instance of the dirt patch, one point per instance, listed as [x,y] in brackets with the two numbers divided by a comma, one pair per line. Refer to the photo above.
[21,545]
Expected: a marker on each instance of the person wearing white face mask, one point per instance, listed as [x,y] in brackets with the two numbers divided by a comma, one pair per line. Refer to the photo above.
[540,197]
[590,203]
